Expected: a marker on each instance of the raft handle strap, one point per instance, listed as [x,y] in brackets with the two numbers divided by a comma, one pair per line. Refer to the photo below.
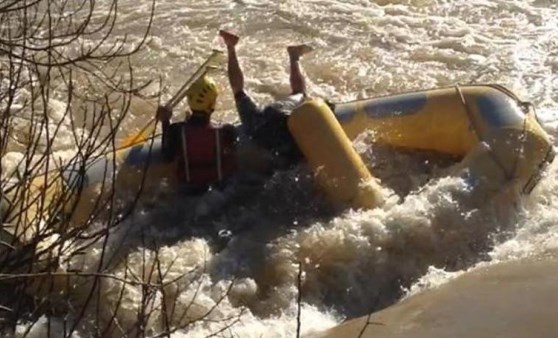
[477,132]
[185,154]
[506,91]
[524,104]
[536,177]
[472,120]
[522,138]
[218,154]
[527,107]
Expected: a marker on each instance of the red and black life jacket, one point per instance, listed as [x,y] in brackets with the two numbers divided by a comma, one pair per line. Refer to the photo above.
[206,154]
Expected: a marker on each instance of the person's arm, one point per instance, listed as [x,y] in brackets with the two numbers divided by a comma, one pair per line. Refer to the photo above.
[164,114]
[251,116]
[168,142]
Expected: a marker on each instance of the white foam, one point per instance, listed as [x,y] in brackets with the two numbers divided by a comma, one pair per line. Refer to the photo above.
[359,259]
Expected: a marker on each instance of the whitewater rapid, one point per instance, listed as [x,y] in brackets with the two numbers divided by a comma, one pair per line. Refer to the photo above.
[358,261]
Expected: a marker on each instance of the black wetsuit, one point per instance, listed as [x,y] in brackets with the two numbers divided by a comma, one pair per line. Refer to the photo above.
[268,127]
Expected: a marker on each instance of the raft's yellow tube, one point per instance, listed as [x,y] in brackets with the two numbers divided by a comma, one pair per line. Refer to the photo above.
[432,120]
[455,121]
[62,199]
[339,170]
[72,196]
[498,136]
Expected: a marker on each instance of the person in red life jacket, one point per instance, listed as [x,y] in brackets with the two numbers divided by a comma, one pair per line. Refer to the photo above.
[204,152]
[267,126]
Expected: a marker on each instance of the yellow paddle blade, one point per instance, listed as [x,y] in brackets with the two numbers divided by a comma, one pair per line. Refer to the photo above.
[140,136]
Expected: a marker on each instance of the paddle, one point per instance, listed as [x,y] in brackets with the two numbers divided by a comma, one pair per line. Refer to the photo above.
[149,128]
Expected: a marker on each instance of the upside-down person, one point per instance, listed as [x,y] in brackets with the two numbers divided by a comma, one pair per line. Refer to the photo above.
[267,126]
[204,151]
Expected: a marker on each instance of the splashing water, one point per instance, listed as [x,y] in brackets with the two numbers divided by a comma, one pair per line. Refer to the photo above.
[357,261]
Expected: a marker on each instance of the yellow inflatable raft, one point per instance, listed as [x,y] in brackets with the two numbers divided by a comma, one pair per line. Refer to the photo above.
[498,136]
[73,195]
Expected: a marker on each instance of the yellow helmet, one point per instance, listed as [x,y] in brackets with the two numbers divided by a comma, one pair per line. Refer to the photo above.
[202,95]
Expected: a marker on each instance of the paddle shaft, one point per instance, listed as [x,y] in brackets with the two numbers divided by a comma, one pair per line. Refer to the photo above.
[178,97]
[200,72]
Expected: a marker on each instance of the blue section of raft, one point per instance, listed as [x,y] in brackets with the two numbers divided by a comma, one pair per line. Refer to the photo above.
[396,106]
[496,109]
[144,152]
[499,110]
[386,107]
